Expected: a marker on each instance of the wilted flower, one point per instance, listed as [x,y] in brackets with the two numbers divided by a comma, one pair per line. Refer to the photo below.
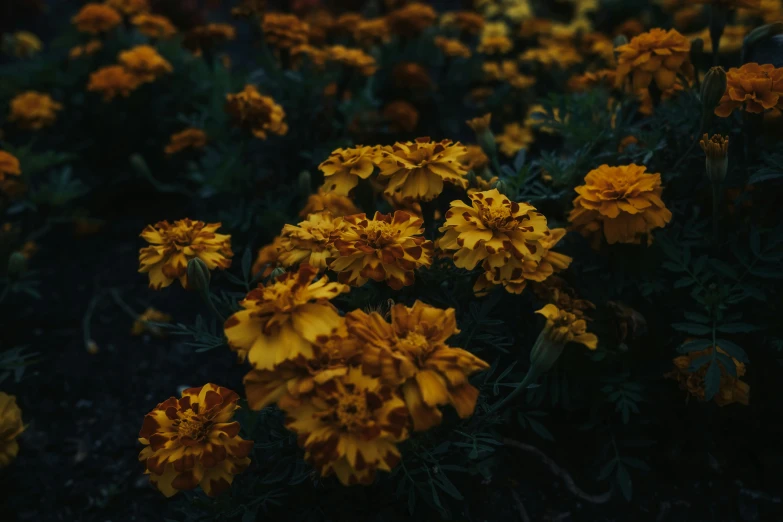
[91,47]
[284,31]
[388,248]
[623,201]
[96,18]
[9,165]
[192,442]
[173,245]
[514,138]
[113,80]
[267,258]
[256,112]
[411,19]
[331,202]
[144,62]
[33,110]
[732,388]
[154,26]
[402,115]
[412,353]
[23,44]
[758,87]
[280,321]
[452,48]
[311,241]
[10,428]
[716,150]
[151,315]
[344,167]
[187,139]
[352,58]
[129,7]
[655,55]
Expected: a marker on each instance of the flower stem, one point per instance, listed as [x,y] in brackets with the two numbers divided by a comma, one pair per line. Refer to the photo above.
[207,297]
[530,378]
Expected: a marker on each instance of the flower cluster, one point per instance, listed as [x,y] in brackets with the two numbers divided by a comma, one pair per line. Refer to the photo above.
[257,113]
[137,66]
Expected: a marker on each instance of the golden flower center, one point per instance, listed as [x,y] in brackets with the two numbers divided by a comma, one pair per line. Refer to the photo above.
[420,157]
[351,411]
[496,217]
[193,427]
[380,234]
[414,343]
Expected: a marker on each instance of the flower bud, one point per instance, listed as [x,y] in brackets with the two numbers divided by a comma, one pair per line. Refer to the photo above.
[484,136]
[716,150]
[712,90]
[17,264]
[697,48]
[198,275]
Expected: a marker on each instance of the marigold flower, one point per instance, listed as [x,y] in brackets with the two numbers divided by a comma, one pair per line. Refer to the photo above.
[412,353]
[411,76]
[23,44]
[259,113]
[402,115]
[192,442]
[758,87]
[280,321]
[331,202]
[129,7]
[9,165]
[589,80]
[311,241]
[495,45]
[187,139]
[554,53]
[417,170]
[732,389]
[173,245]
[353,58]
[151,315]
[344,167]
[321,23]
[267,258]
[145,63]
[564,327]
[112,81]
[350,427]
[208,36]
[388,248]
[10,428]
[655,55]
[248,8]
[732,4]
[475,159]
[411,19]
[96,18]
[91,47]
[493,228]
[452,48]
[34,110]
[624,201]
[514,138]
[154,26]
[284,31]
[466,21]
[316,56]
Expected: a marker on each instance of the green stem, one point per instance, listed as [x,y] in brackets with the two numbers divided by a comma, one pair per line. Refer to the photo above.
[715,211]
[530,378]
[207,297]
[122,304]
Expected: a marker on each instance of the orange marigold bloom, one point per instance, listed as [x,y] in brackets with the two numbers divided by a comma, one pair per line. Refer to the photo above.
[22,44]
[412,352]
[466,21]
[495,45]
[192,442]
[452,48]
[350,427]
[113,80]
[388,248]
[34,110]
[732,388]
[475,159]
[284,31]
[353,58]
[154,26]
[311,241]
[344,167]
[280,321]
[370,32]
[411,19]
[758,87]
[316,56]
[412,76]
[655,55]
[554,53]
[91,47]
[564,327]
[514,138]
[9,165]
[11,427]
[624,201]
[208,36]
[145,63]
[589,80]
[256,112]
[332,202]
[417,169]
[129,7]
[96,18]
[187,139]
[267,258]
[151,315]
[402,115]
[173,245]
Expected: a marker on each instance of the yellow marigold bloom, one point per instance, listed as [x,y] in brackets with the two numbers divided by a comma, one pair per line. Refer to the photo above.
[412,352]
[353,58]
[96,18]
[452,48]
[34,110]
[589,80]
[154,26]
[475,159]
[192,442]
[758,87]
[388,248]
[350,427]
[411,19]
[624,201]
[466,21]
[655,55]
[129,7]
[173,245]
[554,53]
[514,138]
[411,76]
[151,315]
[564,327]
[281,321]
[311,241]
[369,32]
[187,139]
[537,116]
[732,389]
[23,44]
[316,56]
[256,112]
[480,124]
[91,47]
[331,202]
[10,428]
[493,228]
[248,8]
[267,258]
[284,31]
[417,170]
[145,63]
[112,81]
[344,167]
[495,45]
[402,115]
[9,165]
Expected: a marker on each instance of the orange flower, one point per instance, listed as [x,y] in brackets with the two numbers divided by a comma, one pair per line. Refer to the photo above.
[192,442]
[411,19]
[732,4]
[91,47]
[402,115]
[412,76]
[111,81]
[758,87]
[475,159]
[589,80]
[514,138]
[186,139]
[316,56]
[267,258]
[336,204]
[655,55]
[554,53]
[311,241]
[34,110]
[452,48]
[141,324]
[369,32]
[96,18]
[284,31]
[208,36]
[499,44]
[154,26]
[145,63]
[129,7]
[466,21]
[11,426]
[344,167]
[353,58]
[256,112]
[9,165]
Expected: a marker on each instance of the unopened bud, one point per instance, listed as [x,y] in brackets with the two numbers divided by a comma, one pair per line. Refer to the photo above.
[712,90]
[484,136]
[198,275]
[17,264]
[716,150]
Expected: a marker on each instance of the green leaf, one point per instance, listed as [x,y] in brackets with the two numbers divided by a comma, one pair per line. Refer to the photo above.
[607,469]
[695,346]
[635,463]
[712,381]
[697,318]
[737,328]
[764,174]
[443,482]
[733,349]
[699,362]
[540,429]
[728,364]
[623,479]
[691,328]
[724,268]
[685,281]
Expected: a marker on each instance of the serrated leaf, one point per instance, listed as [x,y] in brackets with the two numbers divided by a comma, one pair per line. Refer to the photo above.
[699,362]
[712,381]
[692,328]
[733,349]
[623,479]
[695,346]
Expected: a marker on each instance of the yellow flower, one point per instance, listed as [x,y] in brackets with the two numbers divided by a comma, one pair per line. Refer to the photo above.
[192,442]
[172,246]
[154,26]
[34,110]
[267,258]
[412,353]
[536,116]
[332,202]
[129,7]
[310,242]
[732,389]
[411,76]
[281,321]
[732,4]
[316,56]
[284,31]
[350,427]
[9,165]
[624,201]
[145,63]
[411,19]
[417,170]
[187,139]
[655,55]
[730,41]
[492,228]
[369,32]
[589,80]
[480,124]
[452,48]
[495,45]
[388,248]
[150,315]
[96,18]
[259,113]
[758,87]
[344,167]
[113,80]
[353,58]
[564,327]
[10,428]
[466,21]
[554,53]
[23,44]
[475,159]
[514,138]
[91,47]
[402,115]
